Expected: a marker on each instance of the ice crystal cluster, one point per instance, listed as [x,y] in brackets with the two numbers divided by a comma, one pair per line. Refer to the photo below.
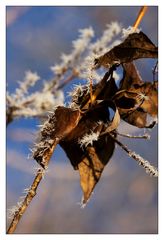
[88,139]
[78,63]
[46,139]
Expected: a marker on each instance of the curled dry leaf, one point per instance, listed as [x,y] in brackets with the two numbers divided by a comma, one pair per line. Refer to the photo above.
[145,102]
[130,76]
[113,124]
[149,92]
[101,91]
[64,120]
[136,45]
[109,90]
[59,125]
[135,105]
[127,100]
[91,121]
[90,159]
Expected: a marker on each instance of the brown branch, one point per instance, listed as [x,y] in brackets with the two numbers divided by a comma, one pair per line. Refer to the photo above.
[140,16]
[31,193]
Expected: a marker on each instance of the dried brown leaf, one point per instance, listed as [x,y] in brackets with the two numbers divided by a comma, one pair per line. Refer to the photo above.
[136,45]
[109,90]
[126,100]
[65,119]
[102,90]
[130,76]
[113,124]
[90,122]
[136,118]
[135,104]
[92,165]
[59,125]
[150,94]
[91,159]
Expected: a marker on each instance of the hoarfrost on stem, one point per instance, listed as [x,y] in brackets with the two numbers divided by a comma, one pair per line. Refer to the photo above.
[127,31]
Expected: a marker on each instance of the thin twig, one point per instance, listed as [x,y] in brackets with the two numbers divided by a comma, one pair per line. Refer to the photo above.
[151,170]
[31,193]
[145,136]
[140,16]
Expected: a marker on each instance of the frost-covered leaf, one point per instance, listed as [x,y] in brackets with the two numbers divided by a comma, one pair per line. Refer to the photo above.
[150,94]
[136,99]
[64,120]
[126,100]
[136,45]
[91,122]
[87,149]
[135,104]
[59,125]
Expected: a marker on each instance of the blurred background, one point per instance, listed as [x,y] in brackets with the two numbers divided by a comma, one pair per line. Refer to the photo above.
[125,200]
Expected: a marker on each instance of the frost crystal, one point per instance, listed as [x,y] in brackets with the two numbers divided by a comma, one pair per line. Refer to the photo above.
[127,31]
[12,211]
[31,77]
[87,32]
[79,46]
[88,139]
[113,29]
[85,35]
[77,91]
[29,80]
[151,170]
[57,69]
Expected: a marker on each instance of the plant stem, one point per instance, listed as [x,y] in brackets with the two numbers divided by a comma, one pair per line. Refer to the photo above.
[31,193]
[140,16]
[145,136]
[151,170]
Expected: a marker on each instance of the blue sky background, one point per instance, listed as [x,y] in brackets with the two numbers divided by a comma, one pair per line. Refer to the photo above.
[125,199]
